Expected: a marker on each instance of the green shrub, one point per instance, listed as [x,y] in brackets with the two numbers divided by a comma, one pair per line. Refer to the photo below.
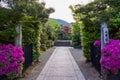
[69,36]
[32,16]
[75,44]
[36,55]
[91,15]
[8,36]
[32,36]
[89,34]
[43,47]
[76,34]
[48,43]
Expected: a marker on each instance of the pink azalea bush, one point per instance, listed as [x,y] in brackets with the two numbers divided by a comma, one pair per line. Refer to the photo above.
[11,61]
[111,57]
[97,43]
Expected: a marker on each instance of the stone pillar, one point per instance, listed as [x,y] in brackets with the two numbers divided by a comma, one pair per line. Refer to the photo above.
[18,40]
[104,40]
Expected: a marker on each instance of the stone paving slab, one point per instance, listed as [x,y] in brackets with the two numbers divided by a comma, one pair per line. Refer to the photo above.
[61,66]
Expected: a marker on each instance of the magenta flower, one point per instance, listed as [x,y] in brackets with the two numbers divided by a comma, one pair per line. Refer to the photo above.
[97,43]
[110,56]
[11,60]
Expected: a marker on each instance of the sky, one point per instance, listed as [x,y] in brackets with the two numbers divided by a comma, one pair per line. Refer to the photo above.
[62,10]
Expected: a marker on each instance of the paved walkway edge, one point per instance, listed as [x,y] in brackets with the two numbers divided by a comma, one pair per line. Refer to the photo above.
[78,72]
[41,75]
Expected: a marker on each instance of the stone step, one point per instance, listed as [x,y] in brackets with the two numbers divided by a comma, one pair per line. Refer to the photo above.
[62,43]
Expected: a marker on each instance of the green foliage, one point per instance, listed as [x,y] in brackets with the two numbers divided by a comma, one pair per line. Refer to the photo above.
[48,43]
[75,44]
[91,15]
[44,38]
[5,18]
[68,36]
[31,15]
[35,16]
[49,33]
[32,35]
[75,34]
[114,27]
[43,47]
[87,17]
[53,29]
[8,36]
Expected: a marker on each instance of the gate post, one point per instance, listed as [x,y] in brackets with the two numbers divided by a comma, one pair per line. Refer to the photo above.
[104,40]
[18,40]
[104,34]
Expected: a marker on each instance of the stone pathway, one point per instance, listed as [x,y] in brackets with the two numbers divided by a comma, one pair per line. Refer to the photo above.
[61,66]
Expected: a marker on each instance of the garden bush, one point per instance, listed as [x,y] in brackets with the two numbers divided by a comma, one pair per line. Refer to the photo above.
[75,44]
[33,26]
[89,34]
[110,56]
[90,17]
[76,34]
[53,30]
[43,47]
[31,16]
[8,36]
[11,61]
[32,36]
[48,43]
